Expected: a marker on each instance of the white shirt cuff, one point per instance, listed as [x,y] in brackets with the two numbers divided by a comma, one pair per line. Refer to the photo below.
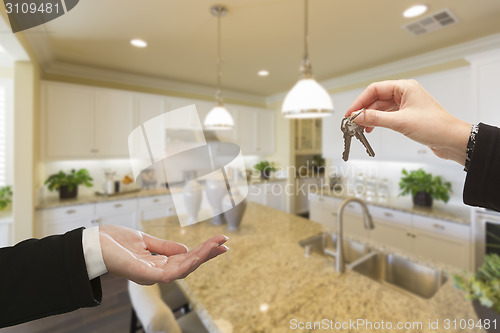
[92,253]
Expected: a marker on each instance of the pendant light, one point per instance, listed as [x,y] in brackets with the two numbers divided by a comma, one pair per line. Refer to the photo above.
[218,118]
[307,99]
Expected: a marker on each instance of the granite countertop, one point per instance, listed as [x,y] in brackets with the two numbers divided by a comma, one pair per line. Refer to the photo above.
[460,214]
[55,202]
[266,284]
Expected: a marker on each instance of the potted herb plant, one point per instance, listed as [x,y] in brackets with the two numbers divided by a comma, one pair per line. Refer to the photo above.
[318,163]
[265,168]
[67,183]
[424,187]
[5,196]
[483,289]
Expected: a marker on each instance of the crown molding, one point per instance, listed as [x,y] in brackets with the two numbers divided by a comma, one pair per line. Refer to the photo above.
[106,75]
[460,51]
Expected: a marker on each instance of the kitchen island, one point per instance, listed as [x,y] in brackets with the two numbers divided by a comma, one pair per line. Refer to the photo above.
[265,283]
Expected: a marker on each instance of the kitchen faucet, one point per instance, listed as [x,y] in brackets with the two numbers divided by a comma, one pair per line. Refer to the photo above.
[339,262]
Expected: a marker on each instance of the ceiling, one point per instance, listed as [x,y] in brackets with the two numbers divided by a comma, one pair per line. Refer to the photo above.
[345,36]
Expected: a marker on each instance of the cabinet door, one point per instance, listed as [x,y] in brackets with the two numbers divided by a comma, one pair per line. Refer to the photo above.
[57,227]
[450,251]
[265,132]
[114,116]
[247,131]
[256,193]
[486,74]
[275,195]
[148,107]
[127,219]
[68,121]
[392,235]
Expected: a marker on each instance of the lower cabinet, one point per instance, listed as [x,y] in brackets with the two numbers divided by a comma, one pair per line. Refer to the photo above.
[270,194]
[439,240]
[128,213]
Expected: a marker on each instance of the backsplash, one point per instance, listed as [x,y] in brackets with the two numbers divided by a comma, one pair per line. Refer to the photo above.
[448,170]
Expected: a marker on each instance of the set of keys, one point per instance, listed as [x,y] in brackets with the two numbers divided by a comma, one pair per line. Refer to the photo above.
[350,129]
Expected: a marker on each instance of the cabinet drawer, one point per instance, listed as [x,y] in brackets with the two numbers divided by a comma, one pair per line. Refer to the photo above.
[114,207]
[441,227]
[325,202]
[161,200]
[69,212]
[390,216]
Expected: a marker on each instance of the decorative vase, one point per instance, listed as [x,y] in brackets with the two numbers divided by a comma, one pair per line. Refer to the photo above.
[484,312]
[64,192]
[265,174]
[216,190]
[233,215]
[192,199]
[422,199]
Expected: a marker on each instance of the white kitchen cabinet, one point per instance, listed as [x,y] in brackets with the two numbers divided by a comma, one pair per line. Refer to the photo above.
[113,122]
[427,237]
[303,187]
[68,120]
[123,212]
[270,194]
[149,106]
[256,131]
[156,207]
[84,122]
[485,86]
[55,221]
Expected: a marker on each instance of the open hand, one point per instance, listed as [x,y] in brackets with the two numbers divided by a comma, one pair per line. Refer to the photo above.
[129,253]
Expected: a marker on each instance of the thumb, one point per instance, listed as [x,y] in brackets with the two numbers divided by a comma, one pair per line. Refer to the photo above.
[373,118]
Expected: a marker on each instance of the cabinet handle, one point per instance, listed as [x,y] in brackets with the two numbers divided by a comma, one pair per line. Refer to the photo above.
[118,205]
[95,221]
[387,214]
[94,150]
[70,211]
[438,226]
[156,200]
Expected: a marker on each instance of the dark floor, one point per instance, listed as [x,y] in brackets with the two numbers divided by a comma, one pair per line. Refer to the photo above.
[113,315]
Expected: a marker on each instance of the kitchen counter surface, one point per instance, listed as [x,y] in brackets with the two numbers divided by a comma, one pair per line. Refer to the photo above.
[258,180]
[55,202]
[266,284]
[452,213]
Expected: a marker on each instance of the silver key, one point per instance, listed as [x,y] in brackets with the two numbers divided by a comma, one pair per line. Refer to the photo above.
[350,129]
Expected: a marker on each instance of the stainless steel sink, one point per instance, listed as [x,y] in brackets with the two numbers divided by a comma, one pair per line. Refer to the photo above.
[325,244]
[401,273]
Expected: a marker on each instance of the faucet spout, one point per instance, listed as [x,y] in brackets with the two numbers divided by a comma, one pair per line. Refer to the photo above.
[368,221]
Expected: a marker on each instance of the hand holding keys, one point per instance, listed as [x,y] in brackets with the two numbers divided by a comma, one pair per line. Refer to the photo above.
[350,129]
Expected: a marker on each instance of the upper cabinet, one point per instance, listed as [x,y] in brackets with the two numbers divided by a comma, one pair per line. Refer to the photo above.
[308,136]
[256,131]
[82,122]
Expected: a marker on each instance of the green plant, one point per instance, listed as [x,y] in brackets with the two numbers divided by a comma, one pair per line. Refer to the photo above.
[5,196]
[265,166]
[72,179]
[420,181]
[484,285]
[318,160]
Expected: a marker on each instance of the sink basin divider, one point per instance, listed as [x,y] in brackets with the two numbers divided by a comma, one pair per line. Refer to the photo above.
[362,259]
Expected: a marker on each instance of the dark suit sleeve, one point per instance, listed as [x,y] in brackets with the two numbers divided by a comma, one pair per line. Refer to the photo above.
[44,277]
[482,184]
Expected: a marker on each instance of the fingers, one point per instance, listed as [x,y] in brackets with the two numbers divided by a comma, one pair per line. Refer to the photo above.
[372,118]
[388,91]
[161,246]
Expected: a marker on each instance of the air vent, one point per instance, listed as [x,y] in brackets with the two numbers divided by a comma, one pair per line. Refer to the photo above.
[431,23]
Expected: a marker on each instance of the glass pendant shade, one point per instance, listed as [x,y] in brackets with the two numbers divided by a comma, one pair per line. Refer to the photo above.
[219,119]
[307,99]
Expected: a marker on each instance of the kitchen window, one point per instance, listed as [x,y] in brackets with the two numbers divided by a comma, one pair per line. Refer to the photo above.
[5,132]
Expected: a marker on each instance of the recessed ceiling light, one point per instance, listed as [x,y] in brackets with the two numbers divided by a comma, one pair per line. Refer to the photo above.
[263,72]
[414,11]
[138,43]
